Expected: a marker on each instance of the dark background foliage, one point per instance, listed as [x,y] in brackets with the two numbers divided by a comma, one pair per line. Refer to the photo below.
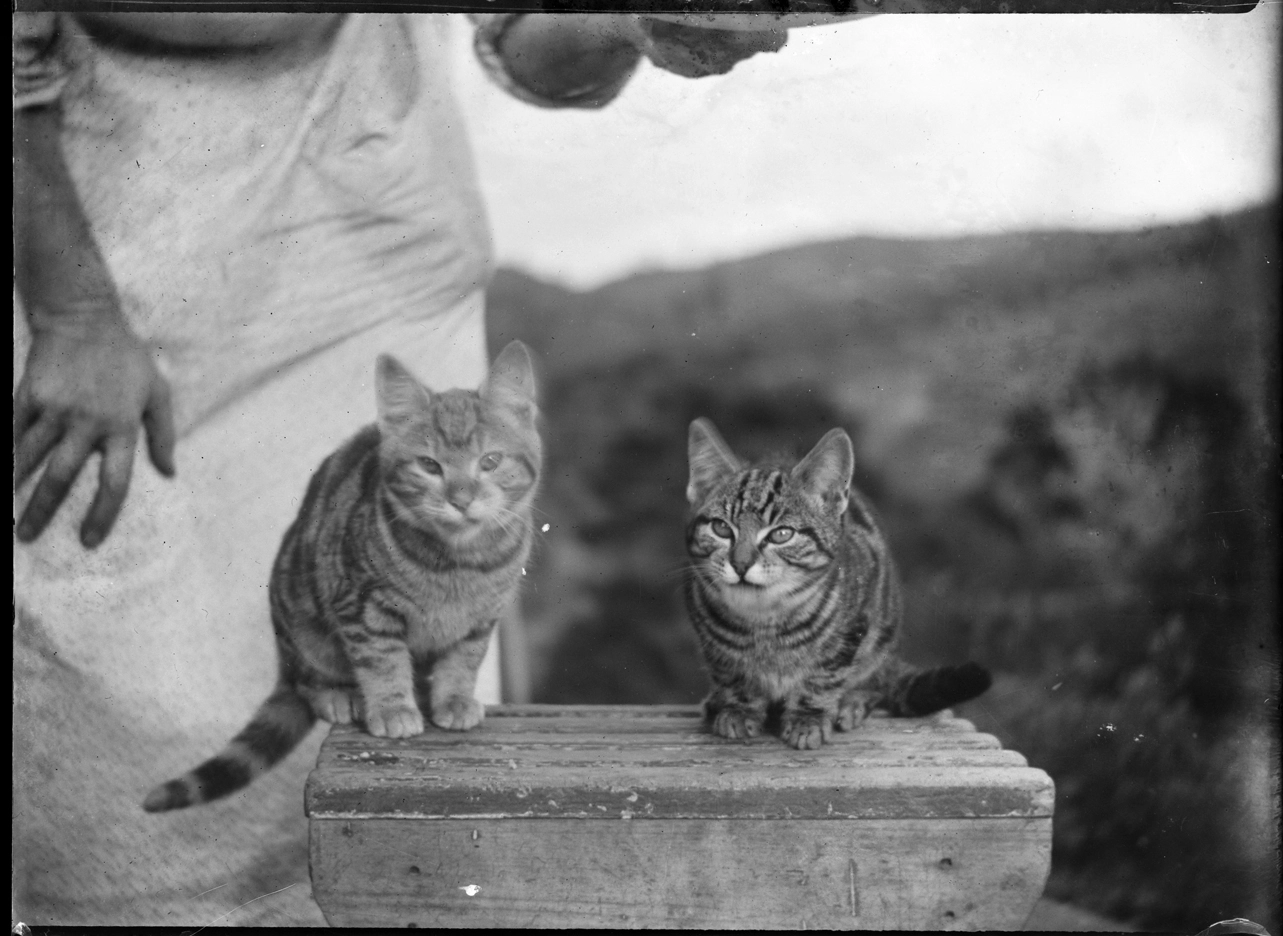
[1072,439]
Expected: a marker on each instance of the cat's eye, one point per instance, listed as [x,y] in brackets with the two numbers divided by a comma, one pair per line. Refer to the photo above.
[780,534]
[722,528]
[490,461]
[430,465]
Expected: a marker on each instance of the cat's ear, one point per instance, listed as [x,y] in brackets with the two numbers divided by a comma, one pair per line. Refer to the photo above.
[512,379]
[400,396]
[711,460]
[825,473]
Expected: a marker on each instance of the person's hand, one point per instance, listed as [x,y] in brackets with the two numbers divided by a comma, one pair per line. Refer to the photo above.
[583,59]
[694,51]
[81,392]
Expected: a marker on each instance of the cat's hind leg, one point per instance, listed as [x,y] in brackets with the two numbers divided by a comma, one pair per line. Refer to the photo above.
[336,706]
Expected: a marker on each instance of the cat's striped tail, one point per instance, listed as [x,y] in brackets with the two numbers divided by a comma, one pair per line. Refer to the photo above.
[923,692]
[277,727]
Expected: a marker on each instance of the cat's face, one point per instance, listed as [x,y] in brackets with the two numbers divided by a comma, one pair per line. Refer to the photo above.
[759,535]
[461,462]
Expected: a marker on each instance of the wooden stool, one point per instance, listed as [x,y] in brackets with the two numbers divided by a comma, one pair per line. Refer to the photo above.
[630,816]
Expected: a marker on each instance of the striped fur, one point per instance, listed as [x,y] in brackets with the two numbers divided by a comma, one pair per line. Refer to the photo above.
[409,545]
[795,599]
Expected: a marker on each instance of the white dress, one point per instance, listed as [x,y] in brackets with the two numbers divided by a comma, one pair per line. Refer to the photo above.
[270,232]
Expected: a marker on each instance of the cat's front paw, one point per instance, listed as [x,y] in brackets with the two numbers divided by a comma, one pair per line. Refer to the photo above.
[854,709]
[394,720]
[734,722]
[458,713]
[806,731]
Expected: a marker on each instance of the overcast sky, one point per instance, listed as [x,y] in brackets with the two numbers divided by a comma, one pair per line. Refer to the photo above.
[900,125]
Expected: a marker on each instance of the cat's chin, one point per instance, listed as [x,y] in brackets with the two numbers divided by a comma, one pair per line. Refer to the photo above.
[748,598]
[458,531]
[462,531]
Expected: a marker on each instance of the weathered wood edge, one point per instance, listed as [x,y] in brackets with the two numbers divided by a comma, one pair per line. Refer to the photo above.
[879,793]
[394,779]
[509,720]
[546,710]
[943,718]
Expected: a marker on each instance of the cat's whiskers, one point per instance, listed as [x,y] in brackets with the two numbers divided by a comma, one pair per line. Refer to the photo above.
[538,514]
[507,519]
[684,572]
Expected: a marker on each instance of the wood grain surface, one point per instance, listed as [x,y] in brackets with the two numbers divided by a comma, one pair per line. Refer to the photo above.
[868,874]
[553,816]
[661,762]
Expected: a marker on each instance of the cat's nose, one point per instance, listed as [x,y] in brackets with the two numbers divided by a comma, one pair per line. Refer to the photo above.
[742,557]
[460,496]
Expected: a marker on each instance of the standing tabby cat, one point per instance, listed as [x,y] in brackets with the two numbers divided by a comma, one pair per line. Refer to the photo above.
[795,599]
[408,546]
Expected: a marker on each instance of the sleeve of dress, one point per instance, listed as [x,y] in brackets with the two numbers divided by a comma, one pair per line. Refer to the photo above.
[41,66]
[490,29]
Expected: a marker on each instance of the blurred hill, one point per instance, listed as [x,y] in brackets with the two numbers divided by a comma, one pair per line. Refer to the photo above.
[1072,439]
[926,341]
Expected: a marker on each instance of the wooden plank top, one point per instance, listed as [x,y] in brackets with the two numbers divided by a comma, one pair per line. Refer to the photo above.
[644,762]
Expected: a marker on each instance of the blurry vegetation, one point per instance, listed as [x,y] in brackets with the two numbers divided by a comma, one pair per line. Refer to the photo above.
[1072,440]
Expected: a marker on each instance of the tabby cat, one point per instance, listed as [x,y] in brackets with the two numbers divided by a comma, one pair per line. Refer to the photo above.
[795,599]
[408,546]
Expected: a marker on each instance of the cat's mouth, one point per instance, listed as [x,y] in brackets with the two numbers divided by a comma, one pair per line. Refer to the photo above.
[466,526]
[469,516]
[751,579]
[458,527]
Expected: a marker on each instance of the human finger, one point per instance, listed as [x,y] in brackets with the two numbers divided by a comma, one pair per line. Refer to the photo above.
[698,53]
[158,421]
[32,445]
[25,412]
[60,472]
[113,484]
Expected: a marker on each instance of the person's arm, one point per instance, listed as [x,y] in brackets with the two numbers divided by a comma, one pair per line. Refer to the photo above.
[89,383]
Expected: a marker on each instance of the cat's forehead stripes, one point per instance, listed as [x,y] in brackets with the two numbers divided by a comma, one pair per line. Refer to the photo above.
[455,418]
[758,492]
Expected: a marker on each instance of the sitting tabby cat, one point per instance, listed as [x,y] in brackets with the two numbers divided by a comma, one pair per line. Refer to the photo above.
[408,546]
[795,599]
